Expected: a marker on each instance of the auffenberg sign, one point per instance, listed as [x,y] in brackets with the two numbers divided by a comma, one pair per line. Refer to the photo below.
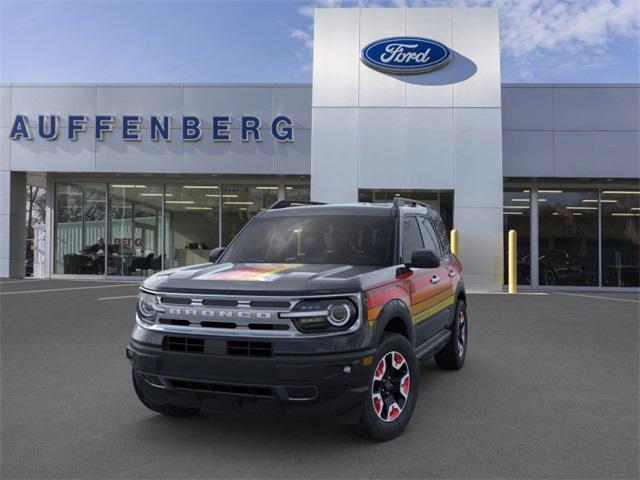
[49,127]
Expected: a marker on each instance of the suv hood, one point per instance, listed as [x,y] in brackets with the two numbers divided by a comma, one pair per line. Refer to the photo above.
[264,279]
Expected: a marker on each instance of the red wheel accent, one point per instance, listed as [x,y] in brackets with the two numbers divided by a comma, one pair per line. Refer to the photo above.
[405,384]
[380,369]
[394,412]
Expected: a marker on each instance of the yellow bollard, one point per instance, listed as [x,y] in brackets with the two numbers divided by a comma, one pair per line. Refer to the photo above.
[513,272]
[454,242]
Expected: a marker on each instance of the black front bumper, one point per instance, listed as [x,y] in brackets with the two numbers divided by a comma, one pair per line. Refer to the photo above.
[318,384]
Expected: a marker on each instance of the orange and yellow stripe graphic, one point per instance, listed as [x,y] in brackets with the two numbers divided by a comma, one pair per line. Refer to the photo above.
[255,272]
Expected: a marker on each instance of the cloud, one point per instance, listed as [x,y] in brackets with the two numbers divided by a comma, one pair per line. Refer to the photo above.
[579,34]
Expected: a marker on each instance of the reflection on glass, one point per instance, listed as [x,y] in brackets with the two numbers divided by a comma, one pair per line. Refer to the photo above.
[79,228]
[134,229]
[620,238]
[191,223]
[240,203]
[517,216]
[568,236]
[297,192]
[440,201]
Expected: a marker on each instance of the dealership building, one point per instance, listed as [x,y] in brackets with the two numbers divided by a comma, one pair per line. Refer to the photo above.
[144,177]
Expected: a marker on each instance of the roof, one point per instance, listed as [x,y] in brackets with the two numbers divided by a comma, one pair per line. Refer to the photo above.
[356,208]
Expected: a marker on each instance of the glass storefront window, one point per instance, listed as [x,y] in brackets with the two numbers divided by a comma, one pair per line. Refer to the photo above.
[517,216]
[192,229]
[79,228]
[297,193]
[240,203]
[568,237]
[620,238]
[134,229]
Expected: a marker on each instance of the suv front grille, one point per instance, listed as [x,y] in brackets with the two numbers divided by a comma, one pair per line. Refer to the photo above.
[249,349]
[248,390]
[183,344]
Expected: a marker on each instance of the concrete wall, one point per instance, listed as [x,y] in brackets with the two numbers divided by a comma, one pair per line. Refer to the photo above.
[440,130]
[571,130]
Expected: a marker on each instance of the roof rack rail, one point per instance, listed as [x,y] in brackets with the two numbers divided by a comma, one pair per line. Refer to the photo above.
[408,202]
[293,203]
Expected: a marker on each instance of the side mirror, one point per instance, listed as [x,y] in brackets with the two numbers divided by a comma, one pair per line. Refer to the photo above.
[215,254]
[424,259]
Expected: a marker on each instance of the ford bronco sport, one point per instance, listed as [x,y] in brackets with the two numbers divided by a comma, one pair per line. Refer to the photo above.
[312,309]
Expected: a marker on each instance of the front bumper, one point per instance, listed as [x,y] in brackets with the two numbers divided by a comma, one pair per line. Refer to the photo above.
[319,384]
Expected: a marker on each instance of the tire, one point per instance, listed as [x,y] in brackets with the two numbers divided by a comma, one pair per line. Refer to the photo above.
[452,356]
[550,277]
[168,410]
[393,390]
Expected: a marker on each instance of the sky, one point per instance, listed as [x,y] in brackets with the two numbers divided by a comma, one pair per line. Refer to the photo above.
[175,41]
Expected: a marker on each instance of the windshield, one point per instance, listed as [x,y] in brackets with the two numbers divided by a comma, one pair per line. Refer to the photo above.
[337,239]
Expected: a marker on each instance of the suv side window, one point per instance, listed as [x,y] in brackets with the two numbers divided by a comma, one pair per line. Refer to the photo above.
[411,238]
[441,230]
[430,239]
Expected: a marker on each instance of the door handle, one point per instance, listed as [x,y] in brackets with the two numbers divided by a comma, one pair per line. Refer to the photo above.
[435,279]
[452,273]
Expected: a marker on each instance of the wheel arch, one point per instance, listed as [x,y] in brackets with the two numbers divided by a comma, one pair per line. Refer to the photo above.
[395,317]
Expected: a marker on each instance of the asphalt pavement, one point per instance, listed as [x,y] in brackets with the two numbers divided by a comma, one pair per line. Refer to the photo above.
[549,390]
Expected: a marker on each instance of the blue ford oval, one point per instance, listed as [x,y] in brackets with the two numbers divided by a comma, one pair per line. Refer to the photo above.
[405,55]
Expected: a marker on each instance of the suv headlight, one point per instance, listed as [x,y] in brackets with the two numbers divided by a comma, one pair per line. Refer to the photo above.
[311,316]
[146,307]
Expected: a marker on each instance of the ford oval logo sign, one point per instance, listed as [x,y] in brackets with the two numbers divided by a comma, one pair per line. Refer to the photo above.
[405,55]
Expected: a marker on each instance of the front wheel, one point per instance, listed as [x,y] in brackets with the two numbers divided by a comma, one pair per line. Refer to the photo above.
[393,390]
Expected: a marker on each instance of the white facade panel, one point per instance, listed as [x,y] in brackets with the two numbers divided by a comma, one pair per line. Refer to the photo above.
[528,153]
[294,102]
[228,157]
[527,108]
[376,89]
[381,155]
[334,146]
[476,64]
[144,156]
[478,157]
[205,102]
[62,155]
[6,120]
[142,100]
[293,158]
[481,245]
[429,152]
[336,42]
[597,108]
[597,154]
[53,100]
[5,149]
[435,89]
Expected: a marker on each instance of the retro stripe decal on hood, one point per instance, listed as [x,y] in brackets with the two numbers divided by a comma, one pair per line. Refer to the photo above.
[252,272]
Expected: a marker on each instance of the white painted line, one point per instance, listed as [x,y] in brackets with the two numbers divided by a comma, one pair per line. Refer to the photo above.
[481,292]
[118,298]
[68,288]
[599,297]
[25,280]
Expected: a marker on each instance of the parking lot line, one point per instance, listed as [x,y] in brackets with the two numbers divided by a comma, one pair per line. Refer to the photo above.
[599,297]
[24,280]
[47,290]
[118,298]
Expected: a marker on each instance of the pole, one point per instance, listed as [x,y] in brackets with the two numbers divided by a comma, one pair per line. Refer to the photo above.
[455,242]
[513,277]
